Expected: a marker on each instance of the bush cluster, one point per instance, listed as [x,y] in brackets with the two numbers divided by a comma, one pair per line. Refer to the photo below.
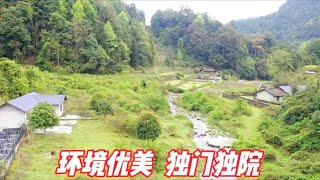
[101,105]
[148,127]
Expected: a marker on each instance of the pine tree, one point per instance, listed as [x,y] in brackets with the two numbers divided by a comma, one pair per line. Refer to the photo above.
[110,43]
[89,11]
[180,50]
[57,42]
[121,26]
[141,53]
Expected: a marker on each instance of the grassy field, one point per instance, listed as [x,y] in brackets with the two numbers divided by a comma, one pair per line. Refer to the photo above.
[34,160]
[131,94]
[216,88]
[129,97]
[188,84]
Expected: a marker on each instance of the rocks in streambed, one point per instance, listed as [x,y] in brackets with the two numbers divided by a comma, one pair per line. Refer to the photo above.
[202,135]
[219,141]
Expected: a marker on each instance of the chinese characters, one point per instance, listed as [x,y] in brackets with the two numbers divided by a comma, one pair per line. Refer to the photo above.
[125,163]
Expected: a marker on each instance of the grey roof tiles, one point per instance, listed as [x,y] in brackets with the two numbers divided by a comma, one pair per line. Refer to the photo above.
[29,101]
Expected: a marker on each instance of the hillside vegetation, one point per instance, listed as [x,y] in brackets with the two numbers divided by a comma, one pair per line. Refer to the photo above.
[199,40]
[83,36]
[129,97]
[296,20]
[101,55]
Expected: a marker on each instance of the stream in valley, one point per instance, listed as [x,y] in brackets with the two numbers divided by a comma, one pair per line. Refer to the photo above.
[203,136]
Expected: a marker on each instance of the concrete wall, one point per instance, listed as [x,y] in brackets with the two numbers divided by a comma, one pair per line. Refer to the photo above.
[59,110]
[11,117]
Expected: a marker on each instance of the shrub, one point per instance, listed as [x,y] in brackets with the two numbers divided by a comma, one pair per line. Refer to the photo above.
[100,105]
[43,117]
[292,147]
[148,127]
[125,124]
[174,89]
[172,130]
[144,83]
[195,107]
[270,155]
[157,103]
[272,138]
[134,106]
[300,106]
[242,108]
[207,107]
[61,90]
[179,76]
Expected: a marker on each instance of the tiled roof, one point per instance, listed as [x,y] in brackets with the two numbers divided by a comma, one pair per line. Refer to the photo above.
[277,92]
[288,89]
[29,101]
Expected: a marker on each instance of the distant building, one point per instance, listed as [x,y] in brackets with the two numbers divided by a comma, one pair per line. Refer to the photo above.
[276,95]
[208,70]
[210,74]
[13,114]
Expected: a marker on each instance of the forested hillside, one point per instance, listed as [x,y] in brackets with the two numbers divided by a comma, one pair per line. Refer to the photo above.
[199,40]
[80,35]
[295,20]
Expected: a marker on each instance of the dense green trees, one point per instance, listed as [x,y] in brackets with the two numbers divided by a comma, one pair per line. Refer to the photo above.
[83,36]
[199,40]
[100,37]
[15,31]
[12,80]
[313,48]
[180,49]
[142,54]
[280,61]
[295,20]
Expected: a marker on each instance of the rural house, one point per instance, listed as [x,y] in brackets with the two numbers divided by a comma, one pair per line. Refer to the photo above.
[273,95]
[277,95]
[208,71]
[210,74]
[13,114]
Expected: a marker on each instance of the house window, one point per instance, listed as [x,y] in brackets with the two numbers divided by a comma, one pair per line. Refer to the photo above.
[278,98]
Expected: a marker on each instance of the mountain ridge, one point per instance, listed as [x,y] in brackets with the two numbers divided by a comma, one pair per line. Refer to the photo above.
[294,21]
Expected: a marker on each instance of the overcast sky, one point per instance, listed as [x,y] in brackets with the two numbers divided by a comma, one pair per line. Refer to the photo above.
[223,11]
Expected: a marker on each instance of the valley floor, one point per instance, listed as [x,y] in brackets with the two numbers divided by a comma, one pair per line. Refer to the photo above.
[34,159]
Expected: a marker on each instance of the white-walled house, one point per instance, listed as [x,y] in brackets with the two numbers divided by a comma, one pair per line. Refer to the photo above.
[277,95]
[13,114]
[274,95]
